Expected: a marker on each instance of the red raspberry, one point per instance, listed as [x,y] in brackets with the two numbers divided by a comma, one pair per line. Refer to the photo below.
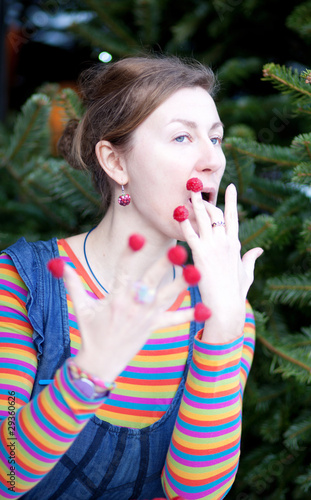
[177,255]
[136,242]
[56,267]
[194,184]
[191,274]
[201,312]
[180,213]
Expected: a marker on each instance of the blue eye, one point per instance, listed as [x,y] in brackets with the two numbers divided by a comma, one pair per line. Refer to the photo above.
[181,138]
[216,140]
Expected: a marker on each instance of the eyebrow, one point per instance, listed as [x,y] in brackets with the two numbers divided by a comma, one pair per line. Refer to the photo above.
[192,124]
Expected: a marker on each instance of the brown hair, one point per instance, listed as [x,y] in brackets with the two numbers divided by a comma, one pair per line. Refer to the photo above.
[120,96]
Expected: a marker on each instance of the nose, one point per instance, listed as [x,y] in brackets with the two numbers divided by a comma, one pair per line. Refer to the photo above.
[211,157]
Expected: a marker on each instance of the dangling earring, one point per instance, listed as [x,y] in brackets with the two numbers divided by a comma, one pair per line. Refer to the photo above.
[124,199]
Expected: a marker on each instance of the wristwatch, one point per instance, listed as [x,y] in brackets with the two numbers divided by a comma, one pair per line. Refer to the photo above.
[91,387]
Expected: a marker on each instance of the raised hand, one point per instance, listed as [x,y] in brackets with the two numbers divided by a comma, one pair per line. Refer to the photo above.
[225,276]
[115,328]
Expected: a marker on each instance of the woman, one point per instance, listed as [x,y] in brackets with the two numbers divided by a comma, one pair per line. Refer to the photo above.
[115,391]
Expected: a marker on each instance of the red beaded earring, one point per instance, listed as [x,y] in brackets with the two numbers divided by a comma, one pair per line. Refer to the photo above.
[124,199]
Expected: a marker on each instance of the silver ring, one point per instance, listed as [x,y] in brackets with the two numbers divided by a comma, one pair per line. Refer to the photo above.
[219,223]
[142,293]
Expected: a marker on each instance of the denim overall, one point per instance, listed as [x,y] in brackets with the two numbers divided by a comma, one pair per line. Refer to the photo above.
[105,461]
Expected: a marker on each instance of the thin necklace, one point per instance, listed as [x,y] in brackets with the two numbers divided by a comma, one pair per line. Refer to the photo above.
[88,264]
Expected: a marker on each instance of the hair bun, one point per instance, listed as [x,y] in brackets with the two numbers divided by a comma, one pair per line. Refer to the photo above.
[65,144]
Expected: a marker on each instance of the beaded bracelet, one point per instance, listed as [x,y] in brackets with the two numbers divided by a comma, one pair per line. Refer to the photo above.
[87,383]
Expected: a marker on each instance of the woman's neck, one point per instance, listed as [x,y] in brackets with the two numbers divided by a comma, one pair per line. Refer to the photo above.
[102,249]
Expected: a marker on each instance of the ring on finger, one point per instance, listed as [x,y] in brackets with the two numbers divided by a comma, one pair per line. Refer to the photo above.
[218,223]
[142,293]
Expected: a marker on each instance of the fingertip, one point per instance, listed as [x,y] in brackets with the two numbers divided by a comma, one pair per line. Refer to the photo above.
[56,267]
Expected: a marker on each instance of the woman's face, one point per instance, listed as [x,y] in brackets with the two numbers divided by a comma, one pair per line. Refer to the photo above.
[179,140]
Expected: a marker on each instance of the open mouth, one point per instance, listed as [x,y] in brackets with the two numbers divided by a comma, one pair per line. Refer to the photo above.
[205,197]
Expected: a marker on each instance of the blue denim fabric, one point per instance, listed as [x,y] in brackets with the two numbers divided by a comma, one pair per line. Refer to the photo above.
[105,461]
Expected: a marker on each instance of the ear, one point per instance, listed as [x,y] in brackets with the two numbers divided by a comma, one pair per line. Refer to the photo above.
[111,162]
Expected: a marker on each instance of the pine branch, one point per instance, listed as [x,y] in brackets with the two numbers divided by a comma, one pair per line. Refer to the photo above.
[302,144]
[257,232]
[298,432]
[70,188]
[286,231]
[96,37]
[30,132]
[268,194]
[71,103]
[239,171]
[290,290]
[305,245]
[302,173]
[304,480]
[287,81]
[115,26]
[236,70]
[282,354]
[185,28]
[262,153]
[295,203]
[147,18]
[80,186]
[299,20]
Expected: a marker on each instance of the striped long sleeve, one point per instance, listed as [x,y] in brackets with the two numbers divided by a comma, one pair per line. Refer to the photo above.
[35,434]
[203,457]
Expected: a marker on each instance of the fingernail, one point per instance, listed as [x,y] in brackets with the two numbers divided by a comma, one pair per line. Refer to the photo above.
[194,184]
[181,213]
[191,275]
[201,312]
[136,242]
[56,267]
[177,255]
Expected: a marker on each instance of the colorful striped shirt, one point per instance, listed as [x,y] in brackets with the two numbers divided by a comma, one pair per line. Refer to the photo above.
[203,456]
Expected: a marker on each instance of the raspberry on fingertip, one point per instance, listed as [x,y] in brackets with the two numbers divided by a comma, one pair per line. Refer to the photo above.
[201,312]
[177,255]
[194,184]
[191,274]
[56,267]
[136,242]
[181,213]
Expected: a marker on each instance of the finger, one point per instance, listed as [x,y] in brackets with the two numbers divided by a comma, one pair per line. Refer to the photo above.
[189,233]
[153,276]
[214,215]
[166,295]
[78,294]
[249,259]
[202,216]
[231,211]
[174,318]
[135,243]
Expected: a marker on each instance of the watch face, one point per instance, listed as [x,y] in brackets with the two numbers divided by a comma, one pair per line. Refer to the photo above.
[87,388]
